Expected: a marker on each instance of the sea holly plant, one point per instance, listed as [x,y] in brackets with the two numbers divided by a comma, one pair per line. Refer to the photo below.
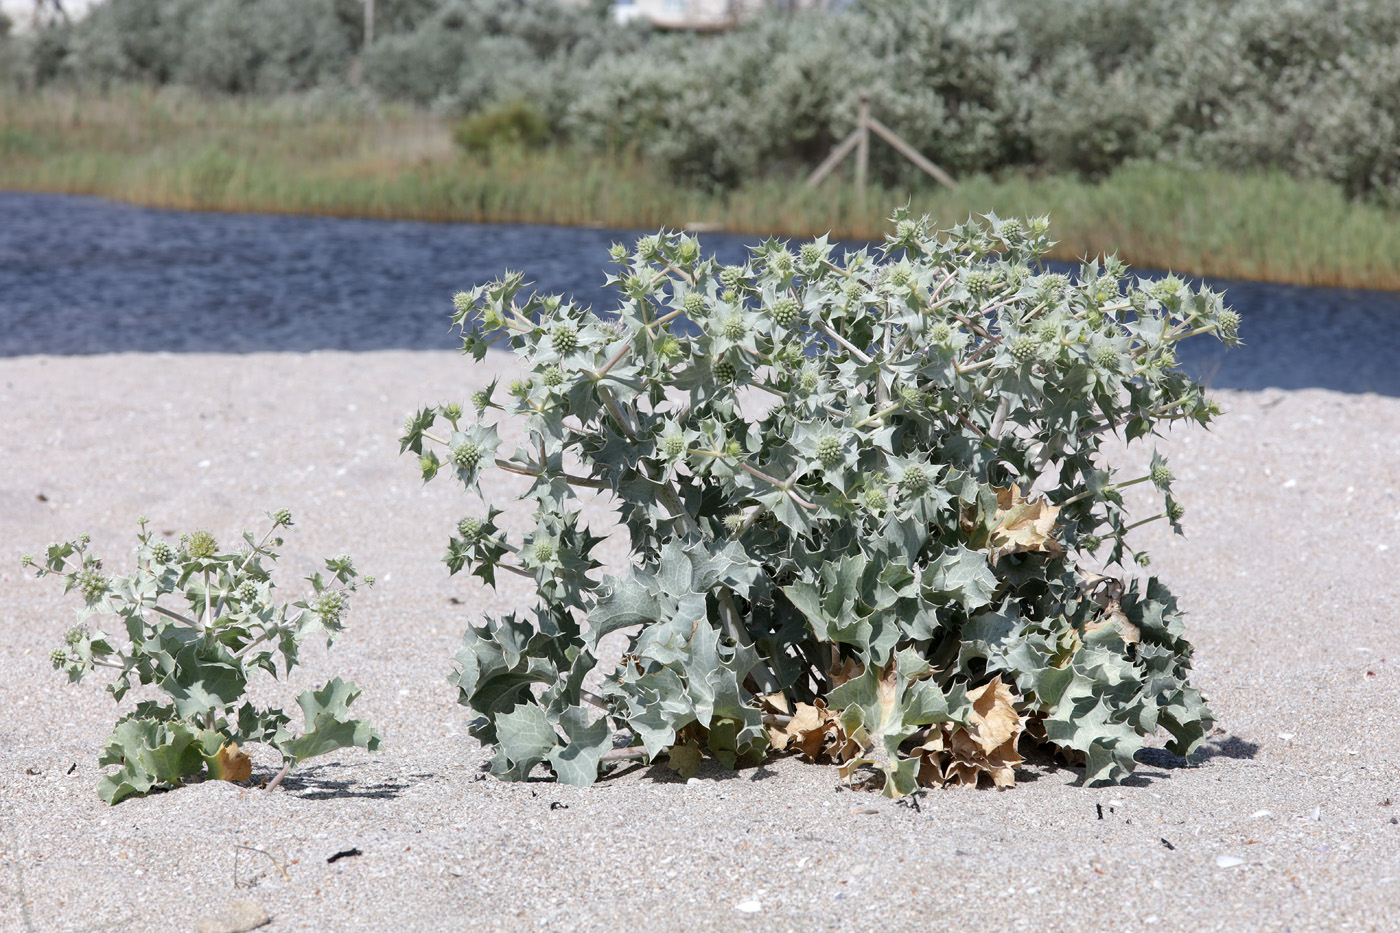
[868,513]
[200,622]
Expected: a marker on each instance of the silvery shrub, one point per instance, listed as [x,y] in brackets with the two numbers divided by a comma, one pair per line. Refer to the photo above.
[200,622]
[866,507]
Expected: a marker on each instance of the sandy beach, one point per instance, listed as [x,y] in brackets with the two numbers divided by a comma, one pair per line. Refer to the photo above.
[1291,820]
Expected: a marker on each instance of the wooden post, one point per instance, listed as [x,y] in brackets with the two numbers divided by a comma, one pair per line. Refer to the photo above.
[863,150]
[860,142]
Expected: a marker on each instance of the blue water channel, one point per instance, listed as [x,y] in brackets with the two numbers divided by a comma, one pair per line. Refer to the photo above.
[83,275]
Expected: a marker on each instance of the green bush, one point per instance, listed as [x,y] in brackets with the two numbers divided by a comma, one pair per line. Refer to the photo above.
[200,623]
[864,496]
[515,123]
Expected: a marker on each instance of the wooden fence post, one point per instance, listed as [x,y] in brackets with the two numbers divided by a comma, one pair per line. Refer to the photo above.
[859,140]
[863,150]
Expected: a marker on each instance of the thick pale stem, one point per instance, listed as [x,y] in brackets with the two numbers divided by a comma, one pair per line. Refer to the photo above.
[733,627]
[277,781]
[637,752]
[176,617]
[849,347]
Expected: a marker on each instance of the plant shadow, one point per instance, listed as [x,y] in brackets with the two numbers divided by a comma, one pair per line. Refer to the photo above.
[314,783]
[1044,762]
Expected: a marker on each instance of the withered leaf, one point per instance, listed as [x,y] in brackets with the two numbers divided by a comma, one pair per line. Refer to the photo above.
[812,729]
[230,764]
[1022,525]
[987,744]
[1114,616]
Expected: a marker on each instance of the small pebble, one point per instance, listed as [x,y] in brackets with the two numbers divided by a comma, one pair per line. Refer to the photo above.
[1228,861]
[749,907]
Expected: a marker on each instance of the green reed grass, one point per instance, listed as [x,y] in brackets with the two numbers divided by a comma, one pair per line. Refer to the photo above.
[352,157]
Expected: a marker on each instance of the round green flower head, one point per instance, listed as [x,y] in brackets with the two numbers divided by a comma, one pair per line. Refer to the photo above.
[875,499]
[941,334]
[733,523]
[911,396]
[58,657]
[811,254]
[480,401]
[807,382]
[452,411]
[978,282]
[618,252]
[906,230]
[1175,510]
[829,451]
[734,327]
[26,561]
[73,636]
[724,371]
[247,591]
[733,449]
[161,553]
[1165,287]
[564,337]
[544,551]
[282,517]
[1106,357]
[553,376]
[688,251]
[427,466]
[1040,226]
[1143,559]
[85,538]
[1090,543]
[1022,348]
[780,262]
[519,388]
[649,247]
[673,445]
[469,528]
[331,606]
[694,304]
[785,311]
[732,277]
[853,290]
[91,584]
[1161,476]
[202,545]
[1229,322]
[914,479]
[466,455]
[899,276]
[1010,230]
[1047,330]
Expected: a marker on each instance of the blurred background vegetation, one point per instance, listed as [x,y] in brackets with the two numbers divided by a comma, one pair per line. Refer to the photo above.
[1258,138]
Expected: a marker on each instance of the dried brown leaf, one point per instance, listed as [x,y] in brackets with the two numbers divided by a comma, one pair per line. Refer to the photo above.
[988,743]
[1022,525]
[230,764]
[1114,616]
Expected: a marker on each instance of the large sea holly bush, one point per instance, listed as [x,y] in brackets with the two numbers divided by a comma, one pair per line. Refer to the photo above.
[868,515]
[200,622]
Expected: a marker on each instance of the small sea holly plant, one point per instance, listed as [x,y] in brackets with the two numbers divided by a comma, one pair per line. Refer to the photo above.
[200,622]
[868,514]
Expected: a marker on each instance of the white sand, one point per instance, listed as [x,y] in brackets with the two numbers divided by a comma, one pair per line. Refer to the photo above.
[1288,576]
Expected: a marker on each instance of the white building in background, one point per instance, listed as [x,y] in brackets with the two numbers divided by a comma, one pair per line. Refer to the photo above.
[708,14]
[22,13]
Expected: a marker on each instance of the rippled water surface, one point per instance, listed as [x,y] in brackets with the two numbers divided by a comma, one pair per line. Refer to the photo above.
[84,275]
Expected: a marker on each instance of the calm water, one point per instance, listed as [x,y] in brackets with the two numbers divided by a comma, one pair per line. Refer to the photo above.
[83,275]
